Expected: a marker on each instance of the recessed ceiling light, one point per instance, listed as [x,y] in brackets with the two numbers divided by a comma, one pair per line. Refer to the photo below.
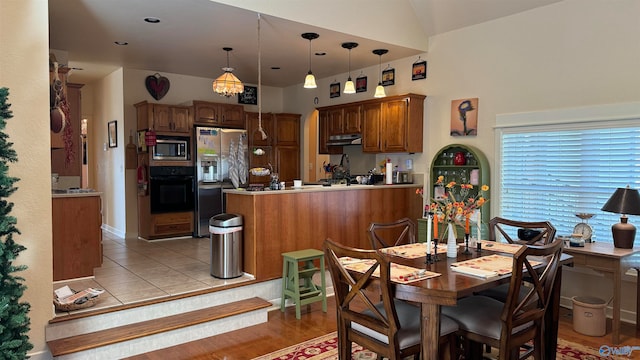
[321,53]
[152,20]
[76,68]
[275,68]
[122,43]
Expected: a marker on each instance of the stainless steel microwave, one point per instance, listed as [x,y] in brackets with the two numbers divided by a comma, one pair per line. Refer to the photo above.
[171,148]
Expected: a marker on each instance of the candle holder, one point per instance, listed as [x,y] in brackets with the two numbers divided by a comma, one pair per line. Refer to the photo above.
[429,260]
[466,244]
[478,246]
[435,250]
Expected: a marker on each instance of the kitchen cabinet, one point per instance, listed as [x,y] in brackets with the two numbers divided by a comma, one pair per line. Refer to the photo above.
[77,235]
[323,134]
[171,224]
[399,128]
[281,148]
[474,171]
[164,118]
[254,136]
[389,125]
[217,114]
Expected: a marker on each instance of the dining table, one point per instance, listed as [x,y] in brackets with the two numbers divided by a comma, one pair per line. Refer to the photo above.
[450,286]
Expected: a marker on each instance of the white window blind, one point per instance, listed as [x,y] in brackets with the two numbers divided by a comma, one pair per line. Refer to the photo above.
[554,172]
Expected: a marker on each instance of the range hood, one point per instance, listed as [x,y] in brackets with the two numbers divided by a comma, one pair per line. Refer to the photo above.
[346,139]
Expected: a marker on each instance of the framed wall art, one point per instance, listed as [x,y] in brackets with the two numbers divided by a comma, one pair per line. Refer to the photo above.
[361,84]
[419,70]
[464,117]
[334,90]
[388,77]
[249,96]
[112,131]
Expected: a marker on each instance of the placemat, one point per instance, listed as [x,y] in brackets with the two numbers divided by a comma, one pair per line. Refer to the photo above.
[401,274]
[413,251]
[500,247]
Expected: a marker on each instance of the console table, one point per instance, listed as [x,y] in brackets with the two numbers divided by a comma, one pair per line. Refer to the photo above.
[605,257]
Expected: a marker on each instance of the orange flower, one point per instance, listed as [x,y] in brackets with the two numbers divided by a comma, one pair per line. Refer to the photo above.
[458,201]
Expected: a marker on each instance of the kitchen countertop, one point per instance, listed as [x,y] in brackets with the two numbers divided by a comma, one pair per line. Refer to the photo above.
[319,188]
[74,193]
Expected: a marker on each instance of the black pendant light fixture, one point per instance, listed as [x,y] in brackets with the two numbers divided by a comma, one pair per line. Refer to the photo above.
[310,80]
[380,89]
[349,87]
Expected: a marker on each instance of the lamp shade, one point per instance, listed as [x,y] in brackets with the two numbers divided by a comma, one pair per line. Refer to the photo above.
[623,201]
[228,84]
[310,81]
[349,87]
[380,91]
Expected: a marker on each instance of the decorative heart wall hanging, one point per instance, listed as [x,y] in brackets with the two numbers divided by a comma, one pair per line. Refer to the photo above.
[157,85]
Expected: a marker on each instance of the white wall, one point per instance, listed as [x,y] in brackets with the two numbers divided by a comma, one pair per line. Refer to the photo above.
[108,105]
[24,45]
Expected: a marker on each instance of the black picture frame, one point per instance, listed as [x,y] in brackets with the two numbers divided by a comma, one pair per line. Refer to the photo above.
[419,71]
[388,77]
[361,84]
[334,90]
[249,96]
[112,132]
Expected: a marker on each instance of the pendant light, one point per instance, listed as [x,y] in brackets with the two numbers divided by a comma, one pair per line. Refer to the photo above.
[310,80]
[349,87]
[380,89]
[228,84]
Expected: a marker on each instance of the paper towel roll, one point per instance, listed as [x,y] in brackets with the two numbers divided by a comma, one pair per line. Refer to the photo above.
[388,172]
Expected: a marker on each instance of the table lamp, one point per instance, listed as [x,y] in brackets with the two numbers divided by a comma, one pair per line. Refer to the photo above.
[623,201]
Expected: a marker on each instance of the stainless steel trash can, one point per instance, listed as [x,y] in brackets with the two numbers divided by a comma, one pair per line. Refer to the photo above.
[226,245]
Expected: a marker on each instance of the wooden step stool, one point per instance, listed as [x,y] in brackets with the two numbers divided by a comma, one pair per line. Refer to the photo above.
[297,281]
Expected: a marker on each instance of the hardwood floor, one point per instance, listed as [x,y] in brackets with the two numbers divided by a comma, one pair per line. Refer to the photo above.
[283,329]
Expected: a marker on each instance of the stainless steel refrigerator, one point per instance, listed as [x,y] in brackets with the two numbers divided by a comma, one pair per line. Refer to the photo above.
[221,163]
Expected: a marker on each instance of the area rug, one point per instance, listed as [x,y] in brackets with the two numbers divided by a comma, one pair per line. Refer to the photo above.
[326,348]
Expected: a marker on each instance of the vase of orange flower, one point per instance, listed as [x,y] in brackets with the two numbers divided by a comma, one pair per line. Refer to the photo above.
[455,207]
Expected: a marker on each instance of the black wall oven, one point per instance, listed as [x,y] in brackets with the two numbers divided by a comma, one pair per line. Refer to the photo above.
[171,188]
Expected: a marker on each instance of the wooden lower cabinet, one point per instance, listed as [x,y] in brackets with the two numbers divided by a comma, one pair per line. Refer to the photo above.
[180,223]
[77,236]
[281,221]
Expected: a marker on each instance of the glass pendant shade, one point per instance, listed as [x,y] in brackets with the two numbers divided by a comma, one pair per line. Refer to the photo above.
[379,91]
[349,87]
[310,81]
[228,84]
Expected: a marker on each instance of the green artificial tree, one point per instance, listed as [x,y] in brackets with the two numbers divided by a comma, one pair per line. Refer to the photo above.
[14,320]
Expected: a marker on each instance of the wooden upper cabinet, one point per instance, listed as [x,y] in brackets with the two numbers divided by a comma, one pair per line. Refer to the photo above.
[336,121]
[255,137]
[323,134]
[400,126]
[371,127]
[287,129]
[164,118]
[224,115]
[351,122]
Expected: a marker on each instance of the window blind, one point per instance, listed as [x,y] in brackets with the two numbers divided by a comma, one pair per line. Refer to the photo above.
[553,173]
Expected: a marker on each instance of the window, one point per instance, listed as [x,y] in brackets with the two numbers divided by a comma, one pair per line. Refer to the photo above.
[567,166]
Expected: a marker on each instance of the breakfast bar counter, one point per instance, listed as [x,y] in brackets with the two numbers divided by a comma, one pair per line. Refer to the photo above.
[280,221]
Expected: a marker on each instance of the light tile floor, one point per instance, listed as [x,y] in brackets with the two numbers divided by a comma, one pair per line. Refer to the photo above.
[135,270]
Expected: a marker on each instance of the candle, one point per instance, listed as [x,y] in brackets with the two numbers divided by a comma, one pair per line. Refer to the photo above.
[429,236]
[466,224]
[478,222]
[435,226]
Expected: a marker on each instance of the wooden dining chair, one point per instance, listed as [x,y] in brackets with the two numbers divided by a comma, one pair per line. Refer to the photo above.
[510,325]
[391,327]
[521,232]
[402,230]
[535,232]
